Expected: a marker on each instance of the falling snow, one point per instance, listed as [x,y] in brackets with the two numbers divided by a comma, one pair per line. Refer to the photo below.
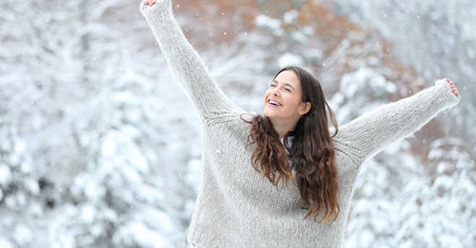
[99,146]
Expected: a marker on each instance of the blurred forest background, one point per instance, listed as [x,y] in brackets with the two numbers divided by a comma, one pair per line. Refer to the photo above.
[100,148]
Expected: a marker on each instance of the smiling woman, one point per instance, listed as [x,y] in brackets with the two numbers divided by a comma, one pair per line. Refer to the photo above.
[296,108]
[283,101]
[241,202]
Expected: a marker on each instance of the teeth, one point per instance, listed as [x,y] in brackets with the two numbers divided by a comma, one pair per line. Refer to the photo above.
[274,103]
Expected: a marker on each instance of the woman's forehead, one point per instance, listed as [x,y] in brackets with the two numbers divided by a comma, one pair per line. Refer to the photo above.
[288,77]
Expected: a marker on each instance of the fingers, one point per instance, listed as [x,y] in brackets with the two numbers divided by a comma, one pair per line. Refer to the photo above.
[453,87]
[455,91]
[149,2]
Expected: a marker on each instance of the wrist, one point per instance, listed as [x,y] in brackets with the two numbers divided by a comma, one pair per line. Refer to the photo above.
[161,9]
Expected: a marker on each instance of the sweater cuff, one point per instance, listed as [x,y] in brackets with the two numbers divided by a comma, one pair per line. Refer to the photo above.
[445,94]
[158,12]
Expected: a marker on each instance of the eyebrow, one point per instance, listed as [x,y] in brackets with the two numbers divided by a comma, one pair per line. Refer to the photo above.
[286,84]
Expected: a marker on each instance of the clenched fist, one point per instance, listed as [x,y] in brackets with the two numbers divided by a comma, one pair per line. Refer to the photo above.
[453,86]
[149,2]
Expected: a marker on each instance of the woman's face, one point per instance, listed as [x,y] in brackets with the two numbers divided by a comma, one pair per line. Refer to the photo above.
[282,100]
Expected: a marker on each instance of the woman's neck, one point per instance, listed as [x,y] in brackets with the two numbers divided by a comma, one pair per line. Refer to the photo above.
[282,127]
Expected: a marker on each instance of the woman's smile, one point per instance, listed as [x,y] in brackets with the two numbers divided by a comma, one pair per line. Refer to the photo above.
[274,103]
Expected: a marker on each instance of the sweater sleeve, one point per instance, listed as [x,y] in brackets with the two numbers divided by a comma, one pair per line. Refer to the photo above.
[187,66]
[370,133]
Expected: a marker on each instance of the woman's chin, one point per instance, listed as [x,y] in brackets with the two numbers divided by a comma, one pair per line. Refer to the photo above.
[268,113]
[271,114]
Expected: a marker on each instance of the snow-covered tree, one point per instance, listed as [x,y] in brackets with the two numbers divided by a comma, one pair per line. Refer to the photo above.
[440,212]
[99,147]
[434,37]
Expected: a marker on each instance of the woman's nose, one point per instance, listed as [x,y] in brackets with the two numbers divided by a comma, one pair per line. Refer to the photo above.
[275,91]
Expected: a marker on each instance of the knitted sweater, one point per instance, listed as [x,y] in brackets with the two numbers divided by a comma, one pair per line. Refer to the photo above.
[235,206]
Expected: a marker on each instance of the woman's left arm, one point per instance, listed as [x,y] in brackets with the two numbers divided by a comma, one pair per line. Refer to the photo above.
[369,134]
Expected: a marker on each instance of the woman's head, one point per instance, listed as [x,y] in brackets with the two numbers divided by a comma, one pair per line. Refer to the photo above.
[284,99]
[293,93]
[296,96]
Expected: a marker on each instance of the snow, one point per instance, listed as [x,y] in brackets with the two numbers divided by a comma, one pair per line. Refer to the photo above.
[23,235]
[138,234]
[290,16]
[290,59]
[5,243]
[100,147]
[5,176]
[268,22]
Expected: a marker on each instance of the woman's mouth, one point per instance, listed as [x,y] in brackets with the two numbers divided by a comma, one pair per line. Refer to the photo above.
[274,103]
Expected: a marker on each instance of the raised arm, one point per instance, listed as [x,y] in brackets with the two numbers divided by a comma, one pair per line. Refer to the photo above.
[187,66]
[369,134]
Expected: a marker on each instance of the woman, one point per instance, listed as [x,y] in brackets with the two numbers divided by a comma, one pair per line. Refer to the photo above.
[280,180]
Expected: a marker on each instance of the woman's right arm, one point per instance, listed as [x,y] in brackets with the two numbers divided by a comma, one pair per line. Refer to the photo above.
[187,66]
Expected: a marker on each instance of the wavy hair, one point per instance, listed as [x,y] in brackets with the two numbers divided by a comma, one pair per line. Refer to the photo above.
[311,154]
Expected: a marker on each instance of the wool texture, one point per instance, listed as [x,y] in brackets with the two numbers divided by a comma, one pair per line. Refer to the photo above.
[236,206]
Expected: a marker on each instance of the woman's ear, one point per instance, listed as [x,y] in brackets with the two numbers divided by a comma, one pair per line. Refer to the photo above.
[305,107]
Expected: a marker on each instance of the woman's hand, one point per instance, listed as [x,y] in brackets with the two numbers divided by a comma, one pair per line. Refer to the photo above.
[149,2]
[452,84]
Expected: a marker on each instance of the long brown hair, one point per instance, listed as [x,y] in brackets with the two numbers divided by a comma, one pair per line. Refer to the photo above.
[311,153]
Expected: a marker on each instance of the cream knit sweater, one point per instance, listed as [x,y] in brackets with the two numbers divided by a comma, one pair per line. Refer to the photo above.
[236,207]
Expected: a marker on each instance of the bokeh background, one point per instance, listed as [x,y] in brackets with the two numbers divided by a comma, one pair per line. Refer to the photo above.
[99,147]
